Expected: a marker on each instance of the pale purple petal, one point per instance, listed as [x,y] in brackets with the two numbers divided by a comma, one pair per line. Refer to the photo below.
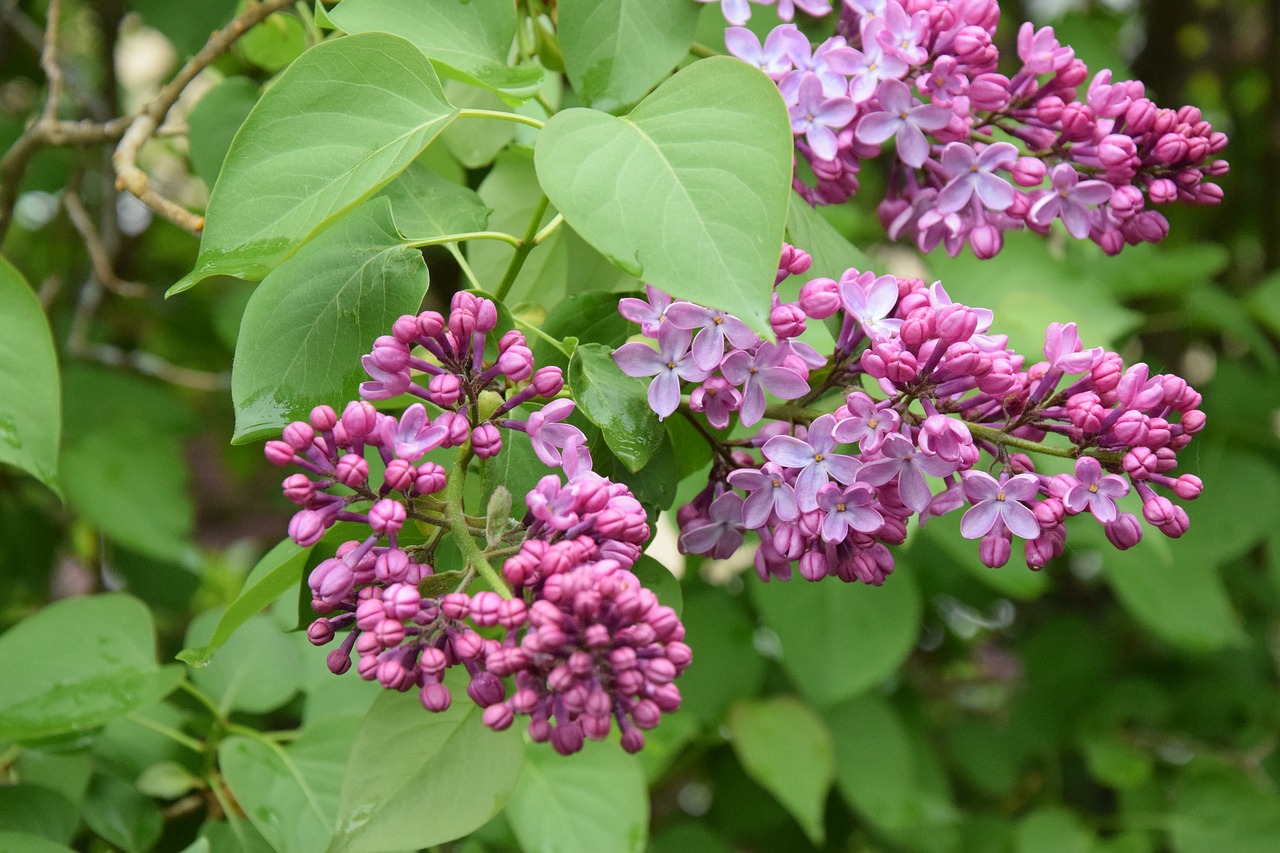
[875,128]
[638,359]
[979,520]
[810,480]
[1019,519]
[913,488]
[843,468]
[913,148]
[996,193]
[788,451]
[664,394]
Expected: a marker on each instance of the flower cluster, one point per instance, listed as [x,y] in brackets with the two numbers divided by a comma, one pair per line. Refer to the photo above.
[979,153]
[585,642]
[832,490]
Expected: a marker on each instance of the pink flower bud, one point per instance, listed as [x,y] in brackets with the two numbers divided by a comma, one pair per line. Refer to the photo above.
[278,453]
[548,381]
[820,298]
[484,608]
[308,526]
[435,697]
[486,441]
[444,389]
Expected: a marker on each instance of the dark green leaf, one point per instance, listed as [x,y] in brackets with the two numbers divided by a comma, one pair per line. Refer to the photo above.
[433,586]
[55,686]
[707,160]
[875,760]
[1220,811]
[116,811]
[590,317]
[617,50]
[187,25]
[659,579]
[30,418]
[311,319]
[725,665]
[832,254]
[23,842]
[784,745]
[417,779]
[340,122]
[39,811]
[616,403]
[818,622]
[595,800]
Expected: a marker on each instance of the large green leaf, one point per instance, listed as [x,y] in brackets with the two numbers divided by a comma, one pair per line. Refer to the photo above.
[214,121]
[616,403]
[417,779]
[704,164]
[120,814]
[595,800]
[832,254]
[1221,810]
[30,416]
[310,320]
[340,122]
[840,639]
[258,671]
[617,50]
[726,665]
[784,745]
[77,664]
[466,39]
[290,793]
[426,205]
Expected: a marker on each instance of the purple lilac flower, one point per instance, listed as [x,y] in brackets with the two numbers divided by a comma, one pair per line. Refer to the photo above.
[549,436]
[815,115]
[1068,199]
[713,328]
[1095,491]
[973,174]
[759,370]
[770,495]
[905,463]
[771,57]
[870,300]
[847,510]
[904,117]
[999,504]
[867,424]
[816,458]
[647,314]
[670,363]
[721,534]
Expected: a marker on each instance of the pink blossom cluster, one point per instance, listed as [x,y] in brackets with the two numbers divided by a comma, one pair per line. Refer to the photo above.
[979,153]
[831,491]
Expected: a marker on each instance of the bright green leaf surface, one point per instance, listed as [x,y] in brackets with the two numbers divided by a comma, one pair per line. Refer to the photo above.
[417,779]
[30,417]
[424,205]
[279,570]
[1052,830]
[689,191]
[310,320]
[54,687]
[38,810]
[466,39]
[617,50]
[474,142]
[840,639]
[595,800]
[589,317]
[214,121]
[784,745]
[616,403]
[1221,811]
[275,42]
[23,842]
[340,122]
[832,254]
[258,669]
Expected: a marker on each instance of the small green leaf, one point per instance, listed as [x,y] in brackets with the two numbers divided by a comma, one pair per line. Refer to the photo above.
[817,621]
[785,746]
[279,570]
[616,403]
[433,586]
[832,254]
[258,669]
[30,414]
[56,687]
[497,516]
[116,811]
[1052,830]
[166,780]
[658,579]
[342,121]
[425,205]
[311,319]
[275,42]
[38,810]
[466,39]
[595,800]
[617,50]
[707,160]
[417,779]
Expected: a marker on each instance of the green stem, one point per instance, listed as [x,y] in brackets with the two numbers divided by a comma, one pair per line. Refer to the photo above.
[702,51]
[471,552]
[172,734]
[465,235]
[522,250]
[550,229]
[501,116]
[530,327]
[203,698]
[463,265]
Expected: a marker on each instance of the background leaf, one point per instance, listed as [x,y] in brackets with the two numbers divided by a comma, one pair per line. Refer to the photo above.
[616,403]
[258,669]
[30,416]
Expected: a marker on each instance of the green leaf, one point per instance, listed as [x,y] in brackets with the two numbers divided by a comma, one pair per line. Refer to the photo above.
[22,842]
[339,123]
[425,205]
[616,403]
[38,810]
[30,416]
[417,779]
[874,760]
[279,570]
[310,320]
[1052,830]
[187,25]
[290,793]
[617,50]
[467,40]
[589,317]
[55,686]
[832,254]
[725,665]
[1225,523]
[1113,760]
[658,578]
[707,161]
[115,810]
[1220,810]
[475,142]
[595,800]
[275,42]
[784,745]
[258,669]
[166,780]
[214,121]
[816,622]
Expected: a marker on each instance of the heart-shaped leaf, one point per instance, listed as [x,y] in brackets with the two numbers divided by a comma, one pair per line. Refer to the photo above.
[689,191]
[29,409]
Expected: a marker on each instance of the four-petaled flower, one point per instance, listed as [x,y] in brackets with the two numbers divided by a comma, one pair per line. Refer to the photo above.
[816,458]
[815,115]
[760,370]
[999,502]
[973,174]
[1068,198]
[904,116]
[668,364]
[1096,492]
[770,494]
[848,509]
[905,462]
[549,436]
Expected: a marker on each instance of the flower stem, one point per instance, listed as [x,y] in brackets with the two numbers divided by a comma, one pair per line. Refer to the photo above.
[464,235]
[172,734]
[523,248]
[501,116]
[471,552]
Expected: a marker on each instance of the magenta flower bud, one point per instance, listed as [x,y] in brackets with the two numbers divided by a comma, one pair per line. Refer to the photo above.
[430,478]
[787,321]
[484,608]
[1049,109]
[995,548]
[399,475]
[1049,512]
[917,328]
[389,633]
[1140,463]
[498,717]
[367,668]
[433,661]
[567,738]
[387,516]
[986,241]
[1118,153]
[667,698]
[989,92]
[511,339]
[359,419]
[430,324]
[299,489]
[1188,487]
[680,655]
[307,527]
[633,741]
[369,614]
[352,470]
[390,354]
[820,298]
[813,566]
[1150,227]
[1078,122]
[486,315]
[323,418]
[338,661]
[455,605]
[1028,172]
[299,435]
[331,581]
[278,453]
[1162,191]
[516,363]
[435,697]
[486,689]
[456,427]
[444,389]
[462,322]
[405,328]
[646,714]
[486,441]
[548,381]
[1126,200]
[467,644]
[1039,551]
[320,632]
[1124,532]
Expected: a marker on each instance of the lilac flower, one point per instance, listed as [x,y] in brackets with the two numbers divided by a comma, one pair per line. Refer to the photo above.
[904,462]
[972,173]
[1068,199]
[808,62]
[721,535]
[815,115]
[816,8]
[414,435]
[549,436]
[865,68]
[1040,51]
[759,370]
[386,384]
[736,12]
[714,326]
[870,300]
[904,117]
[905,36]
[1062,350]
[670,363]
[848,509]
[771,57]
[770,494]
[716,399]
[999,502]
[944,83]
[867,424]
[817,459]
[1095,491]
[648,314]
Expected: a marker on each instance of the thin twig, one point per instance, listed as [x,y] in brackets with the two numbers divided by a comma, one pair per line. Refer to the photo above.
[98,254]
[49,62]
[129,176]
[150,364]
